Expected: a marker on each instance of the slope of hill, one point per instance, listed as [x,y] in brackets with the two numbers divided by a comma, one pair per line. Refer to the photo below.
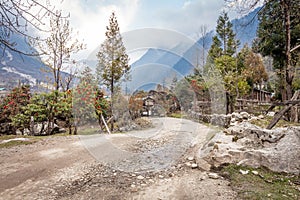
[245,29]
[18,68]
[15,67]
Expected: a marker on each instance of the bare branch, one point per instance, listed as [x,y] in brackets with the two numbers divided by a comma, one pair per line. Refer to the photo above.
[17,16]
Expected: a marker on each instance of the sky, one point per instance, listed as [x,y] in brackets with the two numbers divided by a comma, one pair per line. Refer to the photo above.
[90,17]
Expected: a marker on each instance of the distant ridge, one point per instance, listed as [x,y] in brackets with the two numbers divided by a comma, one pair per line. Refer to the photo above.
[244,27]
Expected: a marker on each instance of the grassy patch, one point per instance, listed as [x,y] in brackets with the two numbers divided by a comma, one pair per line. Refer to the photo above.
[88,130]
[264,185]
[16,143]
[176,115]
[266,121]
[32,139]
[12,143]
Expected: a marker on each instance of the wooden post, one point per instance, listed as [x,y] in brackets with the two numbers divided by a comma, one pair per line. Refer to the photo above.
[294,109]
[105,124]
[278,116]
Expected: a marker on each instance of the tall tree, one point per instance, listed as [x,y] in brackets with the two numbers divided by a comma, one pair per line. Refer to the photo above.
[241,57]
[221,54]
[215,50]
[277,42]
[278,33]
[16,17]
[112,60]
[224,43]
[59,47]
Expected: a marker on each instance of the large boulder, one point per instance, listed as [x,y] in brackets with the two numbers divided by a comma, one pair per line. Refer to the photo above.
[220,120]
[246,144]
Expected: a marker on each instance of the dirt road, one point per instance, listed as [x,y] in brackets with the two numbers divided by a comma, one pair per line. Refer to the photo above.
[148,164]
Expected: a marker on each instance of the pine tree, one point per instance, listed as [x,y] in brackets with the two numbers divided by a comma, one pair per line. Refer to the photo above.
[278,33]
[215,50]
[224,42]
[221,55]
[112,59]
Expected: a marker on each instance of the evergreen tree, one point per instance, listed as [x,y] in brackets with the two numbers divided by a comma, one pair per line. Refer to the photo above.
[278,32]
[215,50]
[241,57]
[224,42]
[112,59]
[221,54]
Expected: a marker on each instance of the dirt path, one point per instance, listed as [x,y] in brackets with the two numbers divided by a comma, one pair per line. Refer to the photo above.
[147,164]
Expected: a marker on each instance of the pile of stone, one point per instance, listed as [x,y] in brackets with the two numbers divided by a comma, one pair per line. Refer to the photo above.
[41,129]
[228,120]
[214,119]
[247,144]
[236,118]
[191,162]
[37,129]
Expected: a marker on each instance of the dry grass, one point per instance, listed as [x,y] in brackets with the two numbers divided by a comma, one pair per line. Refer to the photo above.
[265,185]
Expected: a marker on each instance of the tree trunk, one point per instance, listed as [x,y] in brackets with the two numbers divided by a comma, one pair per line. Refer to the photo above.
[75,129]
[289,74]
[229,103]
[111,103]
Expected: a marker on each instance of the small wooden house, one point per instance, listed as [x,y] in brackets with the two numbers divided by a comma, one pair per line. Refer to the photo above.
[148,104]
[261,95]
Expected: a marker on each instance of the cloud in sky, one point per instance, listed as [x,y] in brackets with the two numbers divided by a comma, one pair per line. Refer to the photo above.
[90,17]
[183,16]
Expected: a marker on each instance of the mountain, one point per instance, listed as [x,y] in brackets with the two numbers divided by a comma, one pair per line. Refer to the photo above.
[154,60]
[18,68]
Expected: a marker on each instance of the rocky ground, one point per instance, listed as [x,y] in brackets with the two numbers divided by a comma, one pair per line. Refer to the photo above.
[250,145]
[157,163]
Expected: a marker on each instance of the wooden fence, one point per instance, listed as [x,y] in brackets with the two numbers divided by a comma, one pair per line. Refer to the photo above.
[252,106]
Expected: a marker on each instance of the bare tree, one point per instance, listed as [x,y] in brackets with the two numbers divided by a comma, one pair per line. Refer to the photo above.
[203,38]
[203,31]
[59,47]
[17,17]
[66,80]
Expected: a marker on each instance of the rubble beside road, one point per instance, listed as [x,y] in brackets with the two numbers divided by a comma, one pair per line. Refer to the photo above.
[250,145]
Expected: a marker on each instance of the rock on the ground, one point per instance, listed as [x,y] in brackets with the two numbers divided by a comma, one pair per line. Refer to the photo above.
[190,158]
[220,120]
[278,149]
[271,114]
[244,172]
[194,166]
[213,175]
[160,176]
[203,164]
[254,172]
[245,115]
